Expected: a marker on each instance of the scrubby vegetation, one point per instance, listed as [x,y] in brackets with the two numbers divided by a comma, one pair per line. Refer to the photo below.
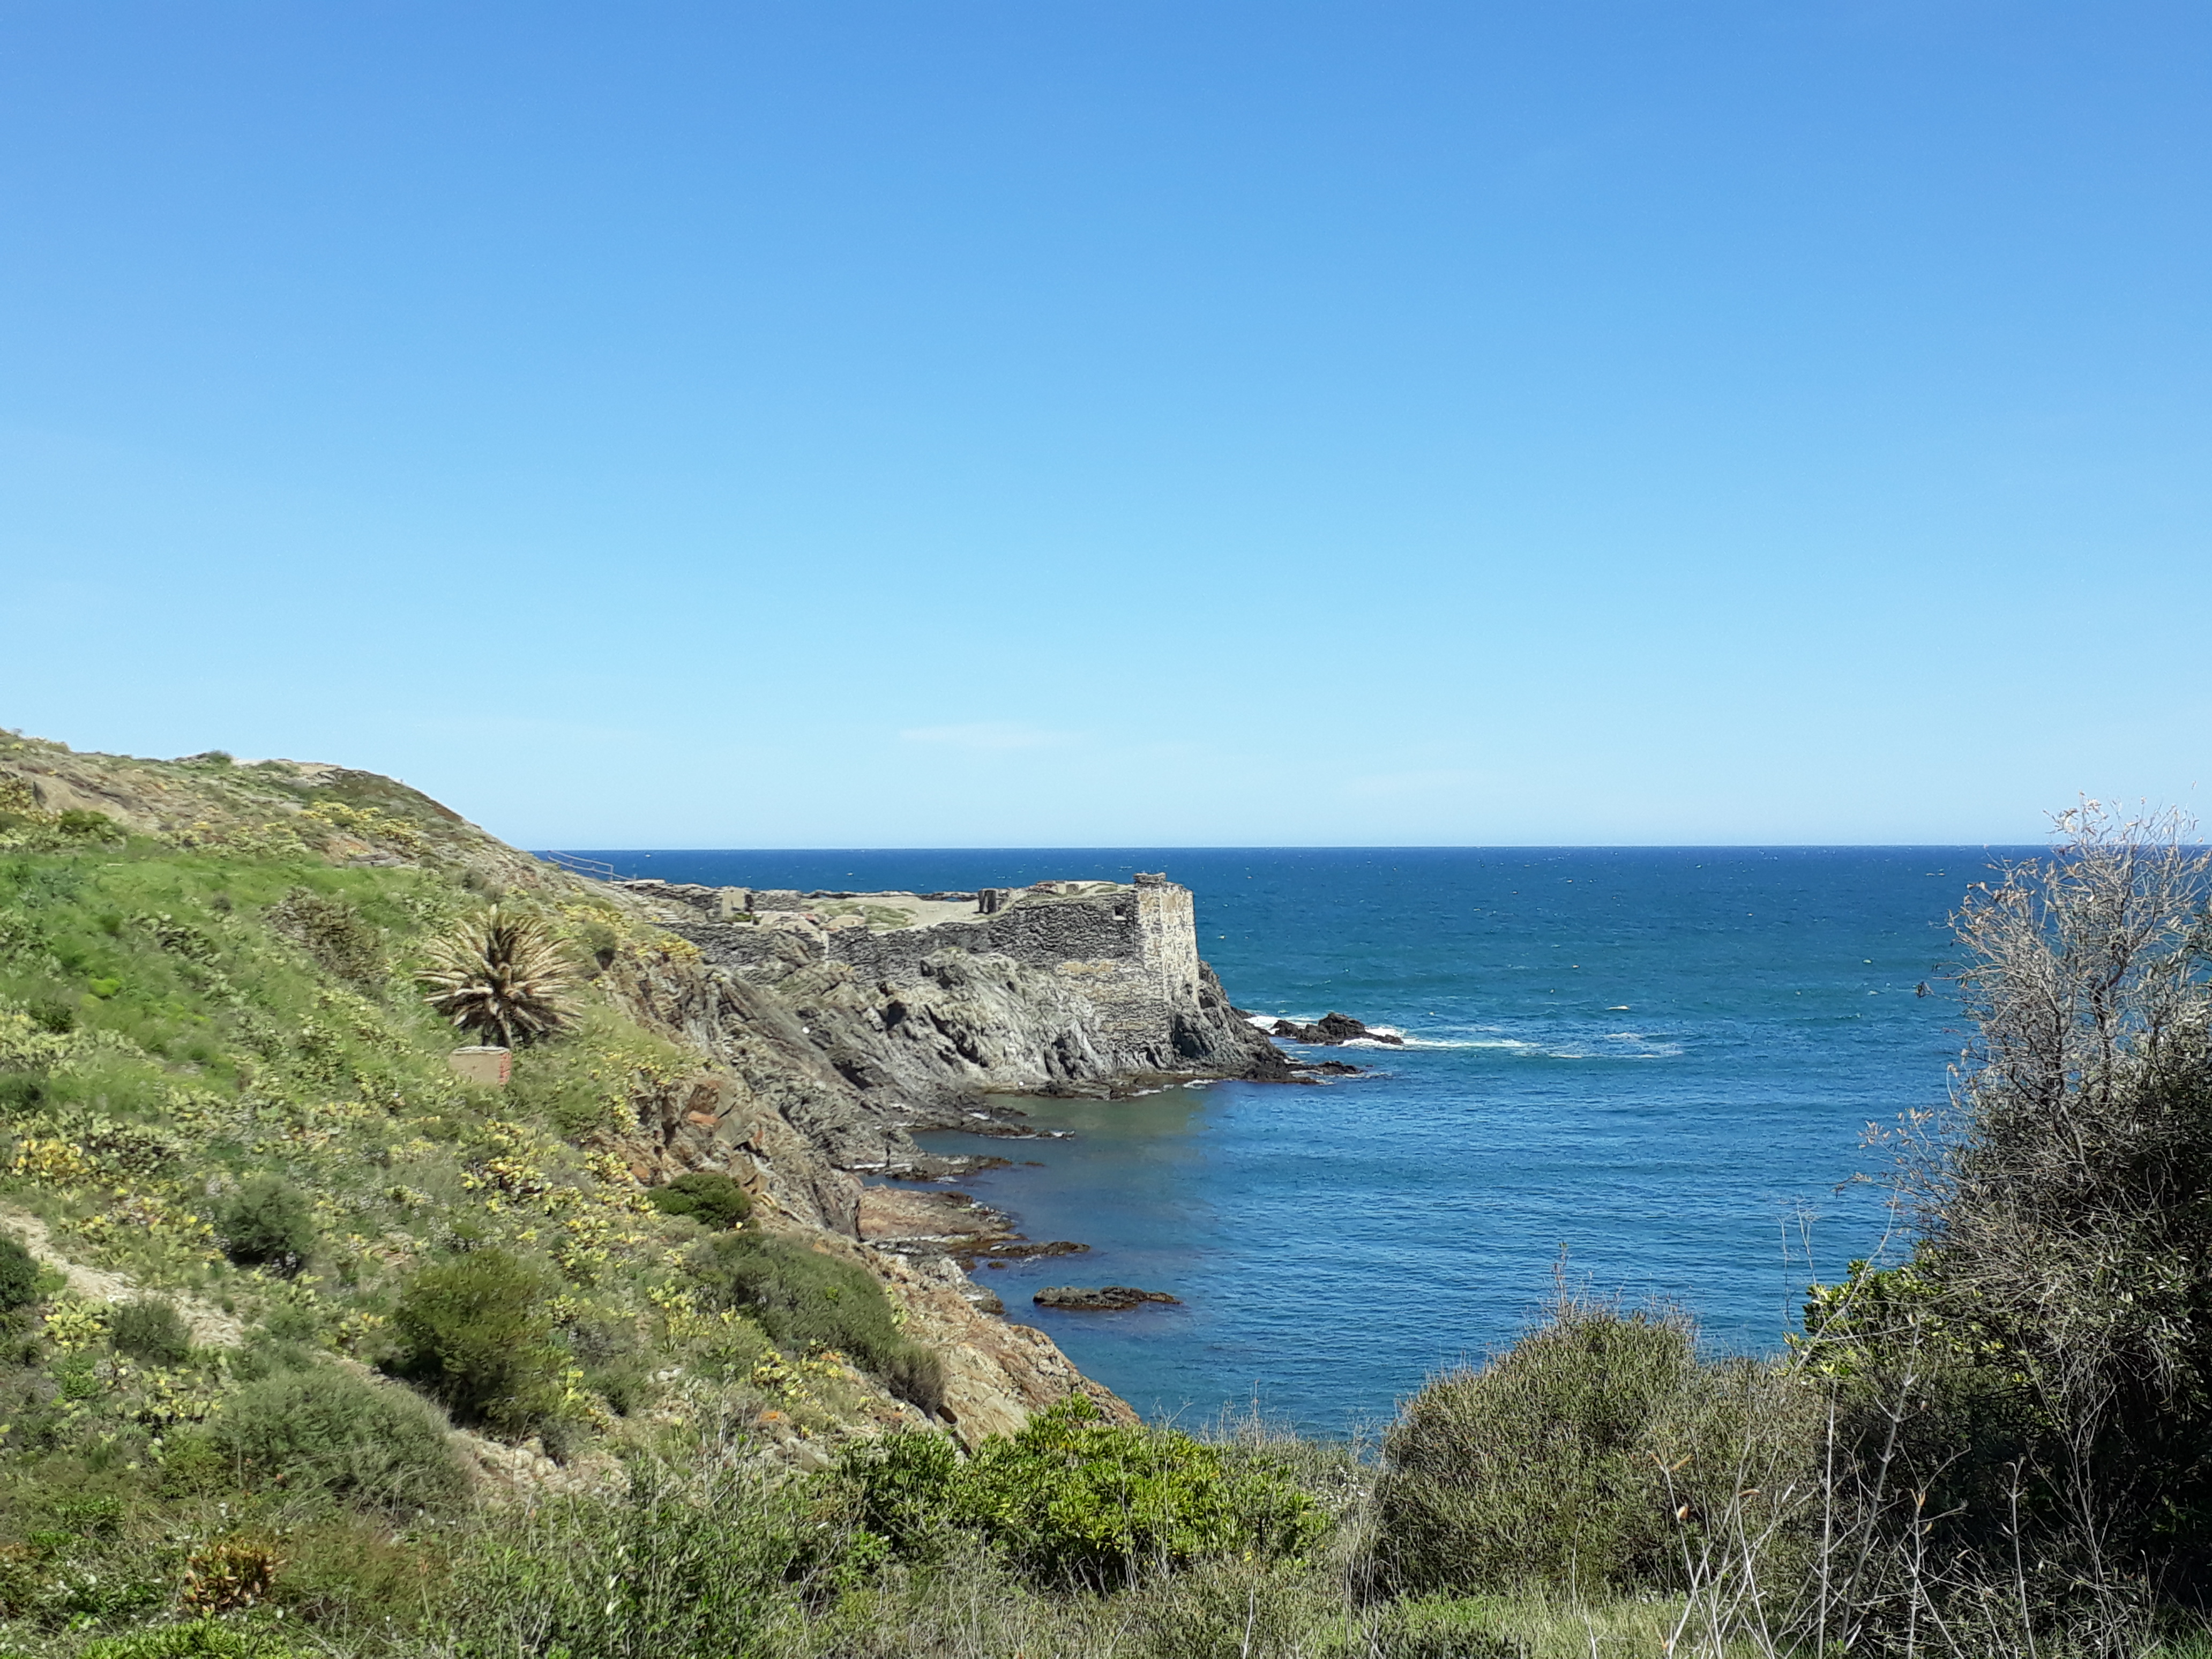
[368,1287]
[803,1299]
[322,1429]
[1075,1501]
[711,1200]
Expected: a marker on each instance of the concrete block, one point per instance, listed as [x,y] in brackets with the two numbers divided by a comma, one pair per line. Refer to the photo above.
[479,1064]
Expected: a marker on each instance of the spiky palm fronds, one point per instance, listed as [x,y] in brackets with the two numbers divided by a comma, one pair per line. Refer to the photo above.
[500,975]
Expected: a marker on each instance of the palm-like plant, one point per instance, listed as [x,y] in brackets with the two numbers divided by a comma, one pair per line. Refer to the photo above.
[500,975]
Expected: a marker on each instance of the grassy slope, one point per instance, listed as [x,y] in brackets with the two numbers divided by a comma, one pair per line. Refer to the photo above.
[230,997]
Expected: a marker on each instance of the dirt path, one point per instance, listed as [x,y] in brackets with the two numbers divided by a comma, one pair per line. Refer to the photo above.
[211,1328]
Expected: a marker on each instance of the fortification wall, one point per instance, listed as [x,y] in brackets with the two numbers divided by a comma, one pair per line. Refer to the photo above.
[1132,952]
[1064,982]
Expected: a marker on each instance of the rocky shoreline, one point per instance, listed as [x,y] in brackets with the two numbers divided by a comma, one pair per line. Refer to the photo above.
[927,1011]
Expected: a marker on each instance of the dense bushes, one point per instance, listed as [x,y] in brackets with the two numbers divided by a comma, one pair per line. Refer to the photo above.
[2023,1411]
[1074,1499]
[711,1200]
[477,1334]
[320,1429]
[267,1223]
[1561,1463]
[805,1299]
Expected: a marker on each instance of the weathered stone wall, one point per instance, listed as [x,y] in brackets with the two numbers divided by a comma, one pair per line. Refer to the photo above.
[1131,952]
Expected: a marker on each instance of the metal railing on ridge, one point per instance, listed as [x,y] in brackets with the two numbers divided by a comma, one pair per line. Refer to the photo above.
[575,864]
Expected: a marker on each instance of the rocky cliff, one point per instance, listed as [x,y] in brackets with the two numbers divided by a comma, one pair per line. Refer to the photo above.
[805,1033]
[923,1002]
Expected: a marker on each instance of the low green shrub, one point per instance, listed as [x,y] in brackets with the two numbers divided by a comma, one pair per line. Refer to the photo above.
[53,1015]
[1263,1608]
[700,1561]
[149,1329]
[475,1332]
[202,1638]
[335,933]
[81,824]
[19,1275]
[914,1374]
[267,1223]
[712,1200]
[805,1299]
[1561,1463]
[1073,1499]
[380,1448]
[191,1461]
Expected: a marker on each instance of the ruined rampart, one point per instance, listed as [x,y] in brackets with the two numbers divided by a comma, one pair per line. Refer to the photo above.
[1063,981]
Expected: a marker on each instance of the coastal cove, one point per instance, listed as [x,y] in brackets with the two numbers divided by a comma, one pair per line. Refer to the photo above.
[1662,1061]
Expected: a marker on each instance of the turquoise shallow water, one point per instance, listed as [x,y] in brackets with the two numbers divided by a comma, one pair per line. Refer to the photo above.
[1660,1061]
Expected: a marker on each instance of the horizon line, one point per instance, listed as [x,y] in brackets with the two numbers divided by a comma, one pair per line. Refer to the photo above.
[1346,847]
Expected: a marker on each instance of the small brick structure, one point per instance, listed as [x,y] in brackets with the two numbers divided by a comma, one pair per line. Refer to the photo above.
[480,1064]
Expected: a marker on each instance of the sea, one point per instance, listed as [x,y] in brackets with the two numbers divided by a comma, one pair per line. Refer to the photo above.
[1648,1074]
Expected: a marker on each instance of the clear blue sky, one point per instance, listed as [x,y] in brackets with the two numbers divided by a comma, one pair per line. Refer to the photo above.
[1159,424]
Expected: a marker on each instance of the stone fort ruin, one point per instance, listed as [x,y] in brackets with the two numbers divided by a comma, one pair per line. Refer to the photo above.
[1061,982]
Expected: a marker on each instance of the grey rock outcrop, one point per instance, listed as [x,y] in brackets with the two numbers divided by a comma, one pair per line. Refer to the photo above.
[1063,986]
[1332,1030]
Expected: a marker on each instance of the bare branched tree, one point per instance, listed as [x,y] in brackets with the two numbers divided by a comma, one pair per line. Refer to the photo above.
[503,977]
[2016,1457]
[2068,1208]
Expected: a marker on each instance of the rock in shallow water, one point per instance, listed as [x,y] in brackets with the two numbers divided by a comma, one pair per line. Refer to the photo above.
[1110,1299]
[1332,1028]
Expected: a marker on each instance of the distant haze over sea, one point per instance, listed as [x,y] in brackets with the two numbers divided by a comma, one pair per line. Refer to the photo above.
[1659,1060]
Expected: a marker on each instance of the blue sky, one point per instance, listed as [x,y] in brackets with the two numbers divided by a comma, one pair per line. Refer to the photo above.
[941,424]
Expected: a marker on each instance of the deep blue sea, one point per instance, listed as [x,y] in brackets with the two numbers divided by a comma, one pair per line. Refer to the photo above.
[1656,1065]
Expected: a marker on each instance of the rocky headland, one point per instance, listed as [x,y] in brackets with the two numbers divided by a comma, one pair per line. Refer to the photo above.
[805,1035]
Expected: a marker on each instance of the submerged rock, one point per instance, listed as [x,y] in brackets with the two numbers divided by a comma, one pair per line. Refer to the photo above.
[1106,1298]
